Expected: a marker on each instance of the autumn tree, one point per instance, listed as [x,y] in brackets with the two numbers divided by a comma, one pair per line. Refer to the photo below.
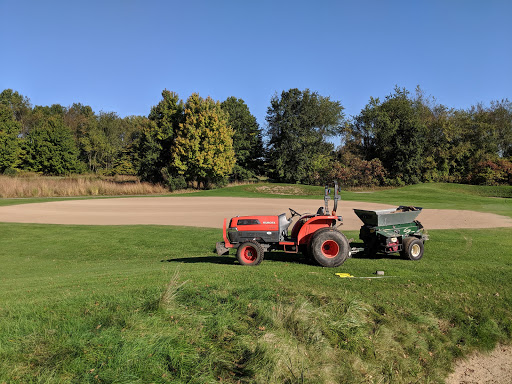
[203,146]
[247,139]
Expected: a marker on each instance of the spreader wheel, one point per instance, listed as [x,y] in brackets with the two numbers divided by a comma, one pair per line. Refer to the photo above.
[330,248]
[250,253]
[412,248]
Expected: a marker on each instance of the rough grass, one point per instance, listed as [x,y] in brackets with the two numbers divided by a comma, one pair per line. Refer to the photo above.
[153,304]
[39,186]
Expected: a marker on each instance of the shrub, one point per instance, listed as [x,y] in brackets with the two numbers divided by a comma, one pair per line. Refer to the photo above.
[492,172]
[358,173]
[176,182]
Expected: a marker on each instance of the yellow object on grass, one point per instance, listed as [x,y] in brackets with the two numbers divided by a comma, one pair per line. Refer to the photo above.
[343,275]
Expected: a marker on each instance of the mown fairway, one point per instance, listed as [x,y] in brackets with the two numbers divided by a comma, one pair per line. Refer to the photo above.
[154,304]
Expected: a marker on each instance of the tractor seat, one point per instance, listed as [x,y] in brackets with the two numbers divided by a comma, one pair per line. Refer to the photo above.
[284,223]
[320,211]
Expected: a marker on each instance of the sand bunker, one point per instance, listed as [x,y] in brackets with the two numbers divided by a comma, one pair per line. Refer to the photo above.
[210,212]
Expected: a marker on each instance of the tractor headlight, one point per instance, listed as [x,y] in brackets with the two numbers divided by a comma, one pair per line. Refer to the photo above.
[394,239]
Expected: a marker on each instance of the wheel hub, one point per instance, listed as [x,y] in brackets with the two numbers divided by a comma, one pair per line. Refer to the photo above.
[330,248]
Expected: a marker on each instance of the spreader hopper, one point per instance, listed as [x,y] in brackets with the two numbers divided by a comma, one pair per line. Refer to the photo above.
[394,216]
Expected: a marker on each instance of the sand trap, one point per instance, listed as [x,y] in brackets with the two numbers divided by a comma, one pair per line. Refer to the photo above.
[484,368]
[210,212]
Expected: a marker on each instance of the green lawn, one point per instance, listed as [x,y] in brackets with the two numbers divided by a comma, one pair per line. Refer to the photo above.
[154,304]
[141,304]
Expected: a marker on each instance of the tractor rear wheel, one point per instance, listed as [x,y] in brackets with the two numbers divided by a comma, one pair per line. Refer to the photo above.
[250,253]
[330,248]
[412,248]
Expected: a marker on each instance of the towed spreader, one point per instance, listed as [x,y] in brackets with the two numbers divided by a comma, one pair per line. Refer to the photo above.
[392,230]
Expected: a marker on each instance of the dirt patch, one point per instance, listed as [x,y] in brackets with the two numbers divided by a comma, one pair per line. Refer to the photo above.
[211,211]
[484,368]
[279,190]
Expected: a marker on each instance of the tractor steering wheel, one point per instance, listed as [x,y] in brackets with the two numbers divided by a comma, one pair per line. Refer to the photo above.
[294,213]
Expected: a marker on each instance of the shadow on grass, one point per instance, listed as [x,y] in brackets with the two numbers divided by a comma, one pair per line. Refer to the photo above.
[278,256]
[231,259]
[202,259]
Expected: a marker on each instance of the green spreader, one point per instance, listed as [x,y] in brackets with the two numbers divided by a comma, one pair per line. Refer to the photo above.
[392,230]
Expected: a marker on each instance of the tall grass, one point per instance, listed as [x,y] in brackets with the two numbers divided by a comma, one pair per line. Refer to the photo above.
[38,186]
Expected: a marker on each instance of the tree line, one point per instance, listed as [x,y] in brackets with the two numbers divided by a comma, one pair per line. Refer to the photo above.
[402,139]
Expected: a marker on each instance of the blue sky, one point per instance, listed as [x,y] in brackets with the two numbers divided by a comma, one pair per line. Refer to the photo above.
[119,55]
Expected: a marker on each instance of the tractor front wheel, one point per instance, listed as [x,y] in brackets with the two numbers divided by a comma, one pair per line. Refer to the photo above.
[330,248]
[412,248]
[250,253]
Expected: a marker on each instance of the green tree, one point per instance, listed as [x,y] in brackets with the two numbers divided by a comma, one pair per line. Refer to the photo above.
[247,139]
[82,121]
[157,134]
[299,123]
[112,143]
[393,132]
[499,116]
[19,106]
[203,146]
[49,146]
[9,142]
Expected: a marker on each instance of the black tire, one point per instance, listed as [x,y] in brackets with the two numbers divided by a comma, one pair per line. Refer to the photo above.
[412,248]
[304,250]
[330,248]
[310,242]
[250,253]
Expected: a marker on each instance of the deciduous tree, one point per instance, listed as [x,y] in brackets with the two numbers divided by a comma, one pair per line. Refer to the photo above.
[247,139]
[299,122]
[155,146]
[49,146]
[9,142]
[393,132]
[203,147]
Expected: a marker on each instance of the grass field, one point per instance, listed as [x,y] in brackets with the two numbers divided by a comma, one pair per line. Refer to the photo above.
[141,304]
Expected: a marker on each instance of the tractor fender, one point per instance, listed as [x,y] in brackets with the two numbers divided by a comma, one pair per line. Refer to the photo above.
[307,226]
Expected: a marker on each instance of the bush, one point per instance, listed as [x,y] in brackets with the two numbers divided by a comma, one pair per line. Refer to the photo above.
[358,173]
[175,183]
[12,172]
[492,172]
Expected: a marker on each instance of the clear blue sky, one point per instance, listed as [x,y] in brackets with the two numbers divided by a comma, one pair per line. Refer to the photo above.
[119,55]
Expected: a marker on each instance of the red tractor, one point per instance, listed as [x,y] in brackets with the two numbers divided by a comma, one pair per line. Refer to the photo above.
[314,235]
